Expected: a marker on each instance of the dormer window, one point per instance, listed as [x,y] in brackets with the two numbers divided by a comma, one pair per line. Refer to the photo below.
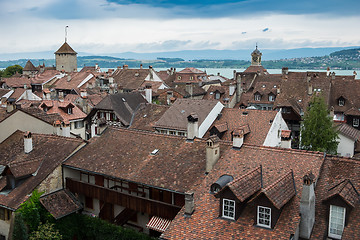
[264,217]
[69,110]
[191,78]
[228,210]
[45,109]
[217,95]
[271,98]
[355,122]
[341,102]
[336,221]
[257,97]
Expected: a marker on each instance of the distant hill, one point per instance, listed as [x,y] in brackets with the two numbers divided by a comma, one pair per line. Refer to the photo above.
[339,58]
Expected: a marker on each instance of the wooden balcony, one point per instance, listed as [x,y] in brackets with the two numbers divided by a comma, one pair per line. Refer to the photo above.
[136,203]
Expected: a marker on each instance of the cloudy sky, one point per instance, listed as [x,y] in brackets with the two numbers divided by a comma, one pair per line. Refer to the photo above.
[113,26]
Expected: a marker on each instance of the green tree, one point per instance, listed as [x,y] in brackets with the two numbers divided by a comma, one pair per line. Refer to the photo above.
[317,130]
[46,231]
[11,70]
[20,230]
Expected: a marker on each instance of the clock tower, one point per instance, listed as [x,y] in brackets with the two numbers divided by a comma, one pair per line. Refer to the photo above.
[256,57]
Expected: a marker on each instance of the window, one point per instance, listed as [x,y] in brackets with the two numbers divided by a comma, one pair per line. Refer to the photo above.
[172,132]
[181,133]
[355,122]
[191,78]
[257,97]
[264,217]
[79,124]
[228,209]
[336,221]
[217,95]
[163,131]
[271,98]
[69,110]
[102,114]
[341,102]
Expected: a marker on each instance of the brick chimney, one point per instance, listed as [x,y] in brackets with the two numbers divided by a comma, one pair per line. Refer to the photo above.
[307,207]
[192,126]
[189,203]
[212,152]
[333,76]
[148,93]
[238,138]
[28,146]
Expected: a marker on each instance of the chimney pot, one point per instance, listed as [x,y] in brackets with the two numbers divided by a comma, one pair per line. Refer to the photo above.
[238,138]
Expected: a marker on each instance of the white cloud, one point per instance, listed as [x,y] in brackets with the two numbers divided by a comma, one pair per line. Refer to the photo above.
[27,33]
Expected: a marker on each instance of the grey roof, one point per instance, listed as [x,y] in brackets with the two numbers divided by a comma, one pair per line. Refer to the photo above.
[176,116]
[123,105]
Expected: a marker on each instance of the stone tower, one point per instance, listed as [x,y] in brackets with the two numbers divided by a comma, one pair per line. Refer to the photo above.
[256,57]
[66,59]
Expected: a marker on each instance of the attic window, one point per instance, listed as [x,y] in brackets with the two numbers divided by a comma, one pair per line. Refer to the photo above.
[217,95]
[271,98]
[69,110]
[264,86]
[264,217]
[154,152]
[211,93]
[228,210]
[274,86]
[341,102]
[257,97]
[336,221]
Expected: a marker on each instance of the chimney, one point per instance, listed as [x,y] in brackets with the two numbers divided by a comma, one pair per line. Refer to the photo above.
[328,72]
[189,89]
[354,73]
[141,66]
[333,76]
[66,129]
[151,73]
[192,126]
[285,71]
[234,75]
[96,66]
[10,105]
[285,139]
[238,138]
[212,152]
[189,203]
[238,87]
[307,207]
[111,80]
[83,93]
[310,89]
[148,93]
[57,127]
[226,102]
[125,67]
[68,78]
[231,89]
[28,146]
[169,95]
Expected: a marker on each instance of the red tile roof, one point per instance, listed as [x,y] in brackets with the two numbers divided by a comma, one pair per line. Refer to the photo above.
[349,131]
[247,184]
[146,116]
[281,191]
[177,165]
[48,153]
[60,203]
[346,191]
[65,48]
[205,223]
[59,108]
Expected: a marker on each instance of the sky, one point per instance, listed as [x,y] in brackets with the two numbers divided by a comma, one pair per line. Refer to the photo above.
[115,26]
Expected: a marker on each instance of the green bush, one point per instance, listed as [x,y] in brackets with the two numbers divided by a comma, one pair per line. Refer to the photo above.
[20,230]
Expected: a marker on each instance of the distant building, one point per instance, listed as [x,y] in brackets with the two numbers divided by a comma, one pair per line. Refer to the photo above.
[66,59]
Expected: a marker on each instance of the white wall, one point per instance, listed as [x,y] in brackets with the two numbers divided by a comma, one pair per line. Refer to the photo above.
[24,122]
[346,146]
[273,138]
[208,121]
[78,131]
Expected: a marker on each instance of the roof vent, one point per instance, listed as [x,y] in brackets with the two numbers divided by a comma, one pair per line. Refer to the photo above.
[123,99]
[220,183]
[245,113]
[154,152]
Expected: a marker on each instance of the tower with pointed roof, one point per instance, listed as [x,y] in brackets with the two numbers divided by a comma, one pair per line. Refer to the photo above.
[30,69]
[66,58]
[256,57]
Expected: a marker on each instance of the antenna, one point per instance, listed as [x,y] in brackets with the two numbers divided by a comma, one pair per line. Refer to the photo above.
[66,32]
